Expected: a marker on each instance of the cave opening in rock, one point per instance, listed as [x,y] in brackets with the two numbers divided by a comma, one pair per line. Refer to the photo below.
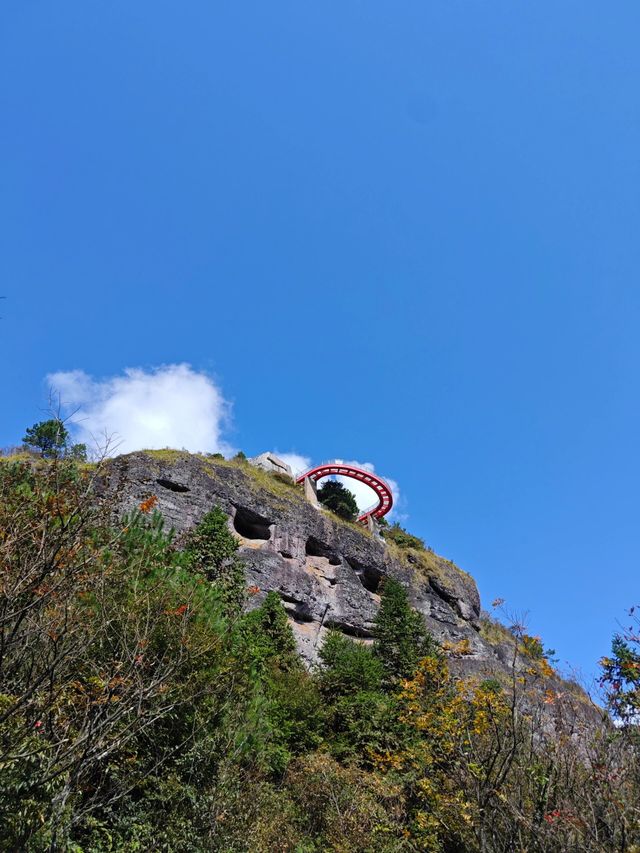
[369,577]
[172,486]
[359,632]
[316,548]
[250,525]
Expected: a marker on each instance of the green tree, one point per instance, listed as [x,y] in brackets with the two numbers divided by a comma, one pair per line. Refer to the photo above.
[348,666]
[338,499]
[621,672]
[211,549]
[49,438]
[271,634]
[361,716]
[113,660]
[77,452]
[401,638]
[292,711]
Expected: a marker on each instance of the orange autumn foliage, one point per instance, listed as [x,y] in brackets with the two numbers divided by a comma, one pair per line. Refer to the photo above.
[148,504]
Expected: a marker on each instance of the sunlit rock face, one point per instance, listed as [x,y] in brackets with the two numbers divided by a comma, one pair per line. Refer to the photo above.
[327,573]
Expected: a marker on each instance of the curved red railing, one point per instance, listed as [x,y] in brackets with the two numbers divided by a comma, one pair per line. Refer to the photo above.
[382,490]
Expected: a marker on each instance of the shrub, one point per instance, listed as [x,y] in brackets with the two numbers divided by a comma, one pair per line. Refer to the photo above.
[396,533]
[211,548]
[348,666]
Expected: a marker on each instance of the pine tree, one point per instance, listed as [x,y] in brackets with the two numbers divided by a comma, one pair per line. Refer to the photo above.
[211,548]
[48,437]
[401,639]
[621,673]
[273,638]
[338,499]
[348,666]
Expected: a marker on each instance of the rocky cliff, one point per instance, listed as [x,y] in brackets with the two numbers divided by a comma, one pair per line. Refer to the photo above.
[326,571]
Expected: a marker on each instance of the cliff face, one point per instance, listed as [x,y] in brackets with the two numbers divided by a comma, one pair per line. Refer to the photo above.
[327,572]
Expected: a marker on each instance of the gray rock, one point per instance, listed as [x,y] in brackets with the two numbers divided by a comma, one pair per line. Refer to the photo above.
[271,462]
[327,572]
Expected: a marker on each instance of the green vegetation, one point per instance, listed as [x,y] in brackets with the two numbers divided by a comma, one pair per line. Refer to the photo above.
[50,439]
[621,674]
[494,632]
[167,454]
[210,548]
[426,563]
[396,533]
[272,481]
[401,638]
[338,499]
[142,709]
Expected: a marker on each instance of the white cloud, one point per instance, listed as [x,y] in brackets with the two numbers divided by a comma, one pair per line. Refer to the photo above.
[298,463]
[169,406]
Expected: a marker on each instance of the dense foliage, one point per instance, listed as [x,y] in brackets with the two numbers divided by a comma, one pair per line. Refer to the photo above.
[338,499]
[621,672]
[143,709]
[50,439]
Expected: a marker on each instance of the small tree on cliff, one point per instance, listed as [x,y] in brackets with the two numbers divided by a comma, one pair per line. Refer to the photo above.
[621,673]
[273,639]
[401,639]
[49,438]
[338,499]
[211,548]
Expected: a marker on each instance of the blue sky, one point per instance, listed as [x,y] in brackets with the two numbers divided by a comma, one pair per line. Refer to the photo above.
[405,234]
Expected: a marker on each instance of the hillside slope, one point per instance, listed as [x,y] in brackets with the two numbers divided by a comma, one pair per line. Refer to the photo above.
[327,571]
[152,697]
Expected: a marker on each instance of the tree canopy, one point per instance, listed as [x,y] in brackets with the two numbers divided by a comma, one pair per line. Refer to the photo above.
[142,707]
[50,439]
[338,499]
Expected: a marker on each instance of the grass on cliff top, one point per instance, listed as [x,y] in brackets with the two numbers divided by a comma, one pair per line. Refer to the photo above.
[352,525]
[18,455]
[411,550]
[494,632]
[278,485]
[425,561]
[40,462]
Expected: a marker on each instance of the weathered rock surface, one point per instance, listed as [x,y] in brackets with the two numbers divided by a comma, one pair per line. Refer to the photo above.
[327,572]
